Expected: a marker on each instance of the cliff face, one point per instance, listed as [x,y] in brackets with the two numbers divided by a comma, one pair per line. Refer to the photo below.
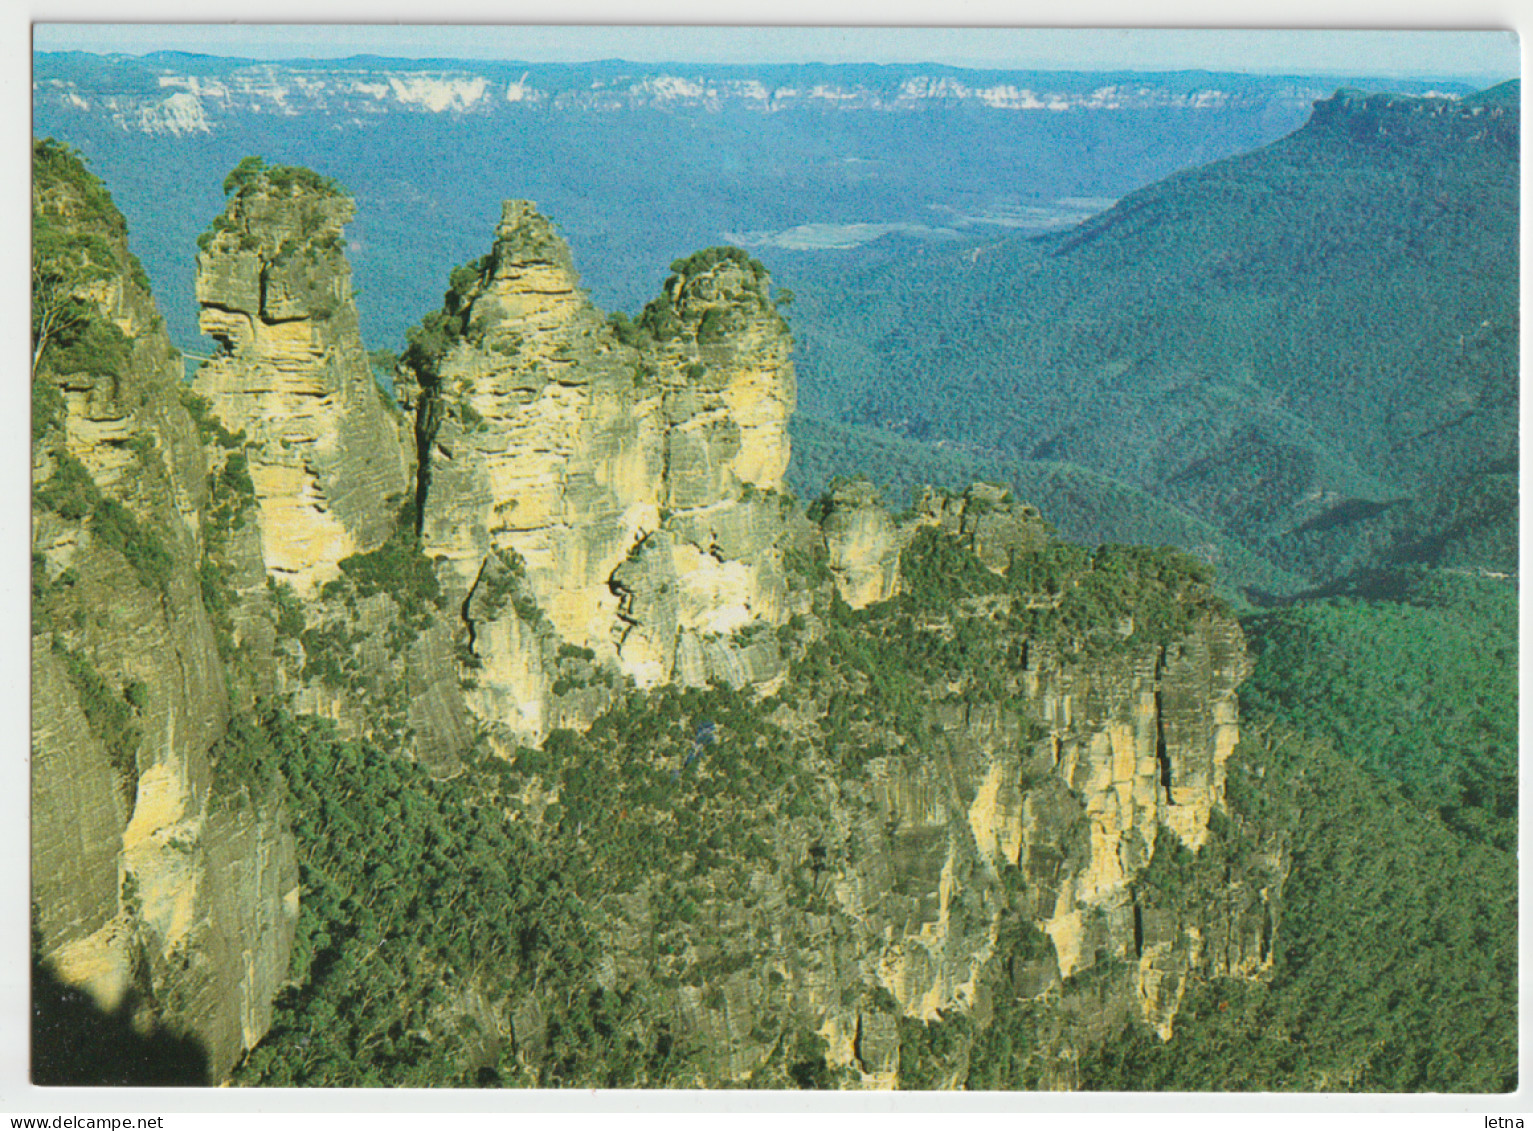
[965,846]
[624,488]
[537,437]
[841,775]
[720,353]
[158,886]
[316,562]
[327,462]
[862,545]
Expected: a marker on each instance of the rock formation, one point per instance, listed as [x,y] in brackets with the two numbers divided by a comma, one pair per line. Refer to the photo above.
[630,492]
[329,469]
[592,509]
[161,885]
[985,521]
[330,472]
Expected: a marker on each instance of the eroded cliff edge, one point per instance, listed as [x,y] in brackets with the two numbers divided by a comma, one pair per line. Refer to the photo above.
[630,481]
[164,884]
[829,773]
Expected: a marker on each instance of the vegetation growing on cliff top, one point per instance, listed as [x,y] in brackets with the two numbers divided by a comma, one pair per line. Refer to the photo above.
[419,895]
[701,262]
[76,234]
[658,320]
[253,176]
[431,340]
[253,172]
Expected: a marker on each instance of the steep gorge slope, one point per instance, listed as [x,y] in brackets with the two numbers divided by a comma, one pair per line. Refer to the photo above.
[1281,344]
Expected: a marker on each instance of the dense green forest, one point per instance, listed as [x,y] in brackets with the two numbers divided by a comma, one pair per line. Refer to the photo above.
[1420,690]
[1248,342]
[1382,732]
[1396,957]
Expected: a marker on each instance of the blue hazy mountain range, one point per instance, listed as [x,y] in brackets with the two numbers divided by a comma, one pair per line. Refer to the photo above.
[815,168]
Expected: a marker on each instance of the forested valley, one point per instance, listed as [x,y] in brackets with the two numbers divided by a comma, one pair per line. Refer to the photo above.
[1072,659]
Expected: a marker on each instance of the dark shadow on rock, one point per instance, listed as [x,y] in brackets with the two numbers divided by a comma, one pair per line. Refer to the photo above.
[76,1043]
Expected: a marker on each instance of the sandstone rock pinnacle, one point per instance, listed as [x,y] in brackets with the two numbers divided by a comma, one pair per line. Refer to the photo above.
[329,466]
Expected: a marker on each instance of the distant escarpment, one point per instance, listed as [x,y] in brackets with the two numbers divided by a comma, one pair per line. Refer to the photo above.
[682,784]
[325,457]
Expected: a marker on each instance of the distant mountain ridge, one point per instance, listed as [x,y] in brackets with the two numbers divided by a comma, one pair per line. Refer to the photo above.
[177,93]
[1263,342]
[639,163]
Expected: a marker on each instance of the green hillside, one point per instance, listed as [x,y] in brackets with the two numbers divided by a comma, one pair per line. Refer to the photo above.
[635,184]
[1328,322]
[1081,504]
[1420,690]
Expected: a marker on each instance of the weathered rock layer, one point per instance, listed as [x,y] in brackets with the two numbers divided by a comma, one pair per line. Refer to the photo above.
[160,887]
[631,488]
[327,461]
[587,505]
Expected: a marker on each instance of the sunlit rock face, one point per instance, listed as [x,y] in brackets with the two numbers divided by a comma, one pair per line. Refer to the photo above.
[862,545]
[329,463]
[159,887]
[544,442]
[632,484]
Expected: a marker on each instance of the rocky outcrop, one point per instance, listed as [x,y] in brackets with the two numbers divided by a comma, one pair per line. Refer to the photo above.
[862,544]
[538,436]
[629,483]
[328,465]
[598,506]
[158,885]
[994,851]
[328,469]
[985,520]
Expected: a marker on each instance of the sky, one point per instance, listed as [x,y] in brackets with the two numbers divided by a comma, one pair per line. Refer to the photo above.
[1485,56]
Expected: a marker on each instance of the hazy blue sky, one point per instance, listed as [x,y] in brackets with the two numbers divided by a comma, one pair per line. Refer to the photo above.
[1489,56]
